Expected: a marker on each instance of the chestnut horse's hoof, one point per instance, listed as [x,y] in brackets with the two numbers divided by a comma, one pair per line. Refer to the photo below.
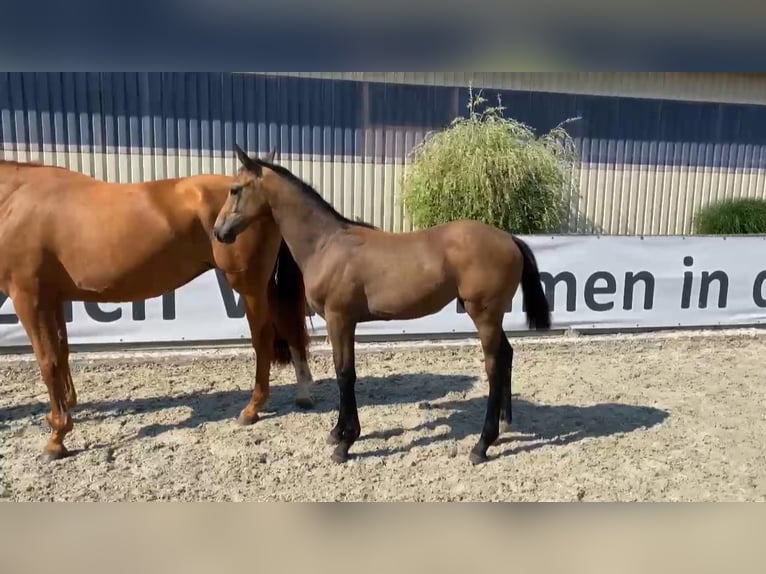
[52,453]
[247,419]
[333,439]
[305,404]
[477,457]
[505,427]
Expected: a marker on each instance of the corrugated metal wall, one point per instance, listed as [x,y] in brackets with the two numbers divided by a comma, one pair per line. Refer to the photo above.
[654,147]
[743,88]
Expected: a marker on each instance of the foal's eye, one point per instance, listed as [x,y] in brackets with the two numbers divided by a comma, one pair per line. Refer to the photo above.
[235,190]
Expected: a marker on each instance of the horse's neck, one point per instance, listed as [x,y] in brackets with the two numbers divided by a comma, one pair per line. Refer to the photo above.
[304,225]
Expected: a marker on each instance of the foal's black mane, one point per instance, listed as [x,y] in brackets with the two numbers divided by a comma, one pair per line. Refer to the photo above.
[311,193]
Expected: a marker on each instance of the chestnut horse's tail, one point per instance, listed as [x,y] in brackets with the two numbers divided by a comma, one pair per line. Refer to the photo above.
[287,299]
[535,302]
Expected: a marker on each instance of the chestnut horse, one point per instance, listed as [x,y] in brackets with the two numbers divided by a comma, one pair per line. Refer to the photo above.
[356,273]
[70,237]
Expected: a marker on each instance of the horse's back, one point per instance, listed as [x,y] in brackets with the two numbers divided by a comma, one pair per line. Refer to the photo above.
[100,232]
[459,234]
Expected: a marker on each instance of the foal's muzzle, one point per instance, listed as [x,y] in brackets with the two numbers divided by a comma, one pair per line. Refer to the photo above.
[226,232]
[227,237]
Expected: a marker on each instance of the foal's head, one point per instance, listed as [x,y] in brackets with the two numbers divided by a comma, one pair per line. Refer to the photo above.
[246,201]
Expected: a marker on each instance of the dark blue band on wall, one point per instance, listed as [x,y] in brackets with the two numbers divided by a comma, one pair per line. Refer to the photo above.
[206,112]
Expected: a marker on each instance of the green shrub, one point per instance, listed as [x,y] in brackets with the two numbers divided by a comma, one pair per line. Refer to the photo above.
[491,169]
[732,217]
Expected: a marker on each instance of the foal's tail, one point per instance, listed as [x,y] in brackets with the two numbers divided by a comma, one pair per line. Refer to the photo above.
[536,303]
[287,299]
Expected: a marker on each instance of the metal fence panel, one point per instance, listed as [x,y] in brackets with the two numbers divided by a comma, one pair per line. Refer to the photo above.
[653,148]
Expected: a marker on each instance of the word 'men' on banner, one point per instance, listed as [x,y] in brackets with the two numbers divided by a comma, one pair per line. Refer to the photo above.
[623,282]
[591,282]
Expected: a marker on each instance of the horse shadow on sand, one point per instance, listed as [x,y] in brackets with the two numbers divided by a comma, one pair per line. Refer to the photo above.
[215,406]
[534,425]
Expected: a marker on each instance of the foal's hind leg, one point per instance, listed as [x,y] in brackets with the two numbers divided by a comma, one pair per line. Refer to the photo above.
[506,416]
[71,393]
[39,320]
[496,363]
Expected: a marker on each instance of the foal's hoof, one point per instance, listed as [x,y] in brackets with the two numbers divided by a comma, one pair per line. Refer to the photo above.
[477,457]
[305,404]
[340,454]
[54,453]
[332,439]
[247,419]
[505,427]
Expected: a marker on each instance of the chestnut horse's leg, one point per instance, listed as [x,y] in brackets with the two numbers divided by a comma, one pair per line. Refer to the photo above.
[262,336]
[497,366]
[347,429]
[39,320]
[71,394]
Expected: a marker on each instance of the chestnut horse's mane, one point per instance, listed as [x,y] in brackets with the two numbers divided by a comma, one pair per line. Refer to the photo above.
[21,163]
[311,193]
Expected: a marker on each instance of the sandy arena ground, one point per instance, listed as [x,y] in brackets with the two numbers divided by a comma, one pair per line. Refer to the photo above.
[630,418]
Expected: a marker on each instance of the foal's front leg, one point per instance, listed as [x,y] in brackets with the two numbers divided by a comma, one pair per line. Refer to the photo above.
[347,429]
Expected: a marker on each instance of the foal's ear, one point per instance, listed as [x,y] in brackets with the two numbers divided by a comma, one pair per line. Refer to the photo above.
[247,162]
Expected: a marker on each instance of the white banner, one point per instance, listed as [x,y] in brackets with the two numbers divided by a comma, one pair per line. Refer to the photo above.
[595,282]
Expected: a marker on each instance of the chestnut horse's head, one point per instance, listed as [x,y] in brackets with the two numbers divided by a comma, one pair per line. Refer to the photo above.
[246,201]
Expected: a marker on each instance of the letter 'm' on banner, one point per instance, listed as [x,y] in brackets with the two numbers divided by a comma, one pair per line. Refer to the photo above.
[570,283]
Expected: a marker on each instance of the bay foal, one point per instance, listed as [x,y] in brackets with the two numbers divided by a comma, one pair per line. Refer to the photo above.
[356,273]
